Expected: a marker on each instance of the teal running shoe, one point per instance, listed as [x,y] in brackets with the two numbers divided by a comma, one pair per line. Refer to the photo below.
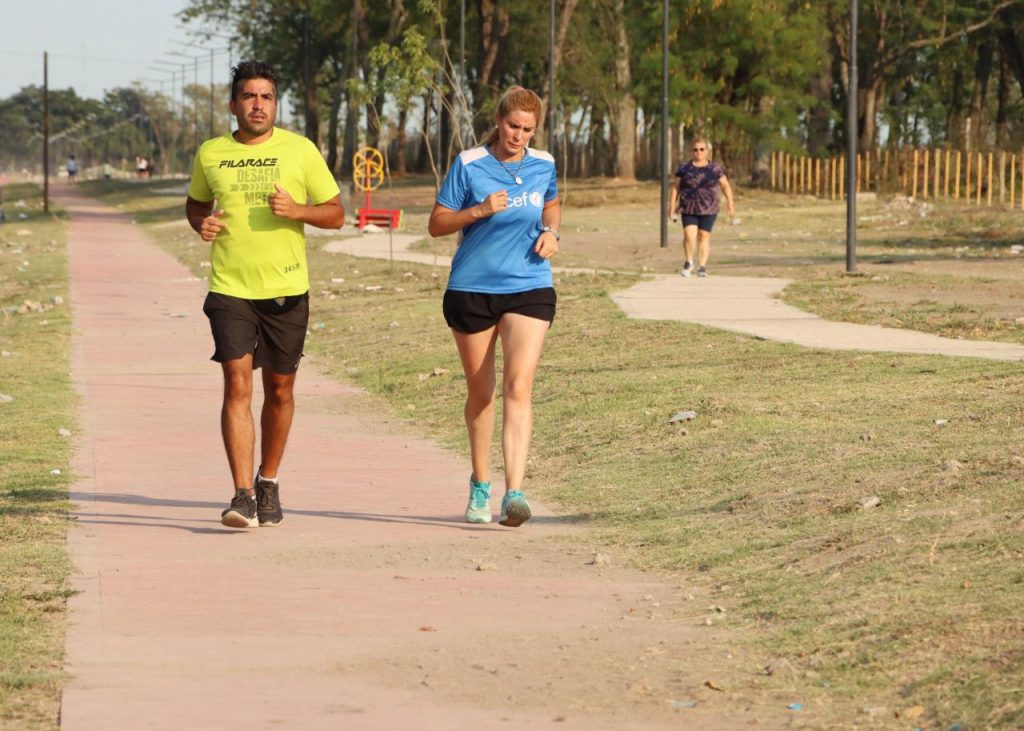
[479,508]
[514,509]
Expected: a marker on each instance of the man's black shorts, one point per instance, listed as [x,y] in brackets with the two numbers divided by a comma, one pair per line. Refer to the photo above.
[273,331]
[473,312]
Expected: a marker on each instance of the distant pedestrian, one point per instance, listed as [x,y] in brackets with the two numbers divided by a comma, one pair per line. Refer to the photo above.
[108,171]
[502,199]
[267,183]
[695,198]
[141,166]
[72,168]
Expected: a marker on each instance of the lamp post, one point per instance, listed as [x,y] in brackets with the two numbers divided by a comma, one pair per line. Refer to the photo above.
[663,165]
[181,66]
[213,52]
[46,131]
[851,147]
[552,75]
[195,105]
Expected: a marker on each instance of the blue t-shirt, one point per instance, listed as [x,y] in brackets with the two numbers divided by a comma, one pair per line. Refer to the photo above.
[496,254]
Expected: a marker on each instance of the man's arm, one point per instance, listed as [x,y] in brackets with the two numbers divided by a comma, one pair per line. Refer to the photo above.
[202,219]
[329,214]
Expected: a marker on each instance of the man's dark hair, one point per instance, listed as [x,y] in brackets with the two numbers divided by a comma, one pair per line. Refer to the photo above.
[251,70]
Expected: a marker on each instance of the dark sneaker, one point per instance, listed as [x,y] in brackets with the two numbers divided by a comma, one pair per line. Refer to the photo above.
[268,503]
[702,272]
[687,269]
[242,511]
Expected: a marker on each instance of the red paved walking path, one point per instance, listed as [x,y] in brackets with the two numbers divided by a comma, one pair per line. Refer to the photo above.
[366,608]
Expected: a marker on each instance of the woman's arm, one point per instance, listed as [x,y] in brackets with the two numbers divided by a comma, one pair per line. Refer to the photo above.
[727,190]
[547,243]
[444,221]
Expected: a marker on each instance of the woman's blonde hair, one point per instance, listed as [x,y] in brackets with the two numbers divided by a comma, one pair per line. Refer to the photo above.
[516,99]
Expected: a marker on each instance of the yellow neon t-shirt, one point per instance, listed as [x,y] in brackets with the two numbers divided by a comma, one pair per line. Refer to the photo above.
[259,255]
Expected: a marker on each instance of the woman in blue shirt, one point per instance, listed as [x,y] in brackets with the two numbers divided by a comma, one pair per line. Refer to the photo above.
[502,198]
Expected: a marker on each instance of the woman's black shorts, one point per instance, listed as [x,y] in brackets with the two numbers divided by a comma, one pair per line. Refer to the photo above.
[273,331]
[473,312]
[704,222]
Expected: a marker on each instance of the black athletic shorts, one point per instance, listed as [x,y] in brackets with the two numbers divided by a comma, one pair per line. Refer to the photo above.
[273,331]
[704,222]
[473,312]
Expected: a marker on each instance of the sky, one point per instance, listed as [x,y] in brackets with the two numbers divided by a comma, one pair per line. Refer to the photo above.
[96,45]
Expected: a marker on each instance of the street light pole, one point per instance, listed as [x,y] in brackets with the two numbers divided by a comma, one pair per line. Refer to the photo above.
[663,164]
[851,147]
[46,132]
[552,73]
[462,74]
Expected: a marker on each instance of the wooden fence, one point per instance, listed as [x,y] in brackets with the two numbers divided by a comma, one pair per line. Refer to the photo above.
[982,178]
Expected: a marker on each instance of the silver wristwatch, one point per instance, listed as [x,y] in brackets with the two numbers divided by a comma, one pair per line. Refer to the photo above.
[549,230]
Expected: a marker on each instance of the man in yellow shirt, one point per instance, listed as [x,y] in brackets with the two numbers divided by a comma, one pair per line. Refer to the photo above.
[251,193]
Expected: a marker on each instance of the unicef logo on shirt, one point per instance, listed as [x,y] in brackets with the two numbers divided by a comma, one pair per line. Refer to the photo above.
[534,199]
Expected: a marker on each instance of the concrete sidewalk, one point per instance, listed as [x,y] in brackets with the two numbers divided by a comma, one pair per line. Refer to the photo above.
[747,305]
[373,606]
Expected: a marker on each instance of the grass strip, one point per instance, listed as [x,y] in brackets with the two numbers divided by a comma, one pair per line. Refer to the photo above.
[35,334]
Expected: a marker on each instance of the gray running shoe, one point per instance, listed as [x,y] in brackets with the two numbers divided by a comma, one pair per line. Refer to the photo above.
[241,513]
[687,269]
[702,272]
[268,502]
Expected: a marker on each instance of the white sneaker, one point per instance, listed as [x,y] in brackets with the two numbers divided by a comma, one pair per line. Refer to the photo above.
[687,269]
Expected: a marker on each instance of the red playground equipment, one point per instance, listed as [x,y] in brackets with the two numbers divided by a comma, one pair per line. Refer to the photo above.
[368,175]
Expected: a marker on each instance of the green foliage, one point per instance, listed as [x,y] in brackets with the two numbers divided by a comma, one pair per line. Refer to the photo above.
[405,71]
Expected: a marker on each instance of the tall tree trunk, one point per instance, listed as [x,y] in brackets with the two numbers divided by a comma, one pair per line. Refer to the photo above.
[493,35]
[332,128]
[310,104]
[1003,108]
[761,174]
[400,162]
[867,111]
[561,31]
[425,154]
[979,98]
[955,117]
[624,104]
[1011,42]
[819,117]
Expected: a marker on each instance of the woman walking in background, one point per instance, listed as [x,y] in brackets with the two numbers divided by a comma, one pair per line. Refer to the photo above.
[696,200]
[502,198]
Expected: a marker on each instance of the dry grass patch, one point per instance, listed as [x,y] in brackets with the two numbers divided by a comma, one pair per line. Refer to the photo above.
[34,357]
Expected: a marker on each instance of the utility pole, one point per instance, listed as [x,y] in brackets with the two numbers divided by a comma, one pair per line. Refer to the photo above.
[552,73]
[462,75]
[46,132]
[851,148]
[663,147]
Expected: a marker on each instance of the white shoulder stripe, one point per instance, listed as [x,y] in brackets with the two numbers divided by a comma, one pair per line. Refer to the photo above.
[472,155]
[541,154]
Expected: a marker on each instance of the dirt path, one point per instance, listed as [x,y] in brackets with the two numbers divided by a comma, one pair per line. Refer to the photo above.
[373,606]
